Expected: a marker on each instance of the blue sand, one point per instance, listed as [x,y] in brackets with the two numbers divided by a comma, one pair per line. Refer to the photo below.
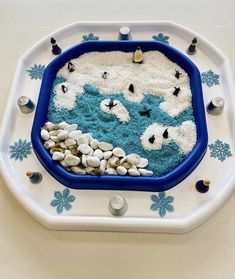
[105,127]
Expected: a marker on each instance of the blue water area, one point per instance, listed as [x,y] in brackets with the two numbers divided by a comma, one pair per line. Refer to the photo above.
[105,127]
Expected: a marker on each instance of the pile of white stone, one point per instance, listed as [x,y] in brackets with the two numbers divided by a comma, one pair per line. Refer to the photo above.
[80,153]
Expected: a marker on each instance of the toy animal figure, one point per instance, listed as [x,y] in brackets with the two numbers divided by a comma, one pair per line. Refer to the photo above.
[138,56]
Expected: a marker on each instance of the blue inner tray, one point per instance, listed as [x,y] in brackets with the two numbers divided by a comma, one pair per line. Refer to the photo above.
[106,182]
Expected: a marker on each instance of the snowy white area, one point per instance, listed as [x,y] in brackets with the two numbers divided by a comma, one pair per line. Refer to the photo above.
[184,136]
[156,76]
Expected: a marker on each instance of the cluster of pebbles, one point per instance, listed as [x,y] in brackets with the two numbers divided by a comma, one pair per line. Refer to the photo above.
[80,153]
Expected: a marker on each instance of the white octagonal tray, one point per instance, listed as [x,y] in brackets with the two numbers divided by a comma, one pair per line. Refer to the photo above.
[177,210]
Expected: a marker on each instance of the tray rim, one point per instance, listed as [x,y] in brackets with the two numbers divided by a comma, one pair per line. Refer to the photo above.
[181,224]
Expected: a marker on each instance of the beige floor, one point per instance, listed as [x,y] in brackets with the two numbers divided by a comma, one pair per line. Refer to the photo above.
[28,250]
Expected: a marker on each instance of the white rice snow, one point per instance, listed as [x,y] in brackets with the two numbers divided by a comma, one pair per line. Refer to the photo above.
[156,76]
[184,136]
[118,110]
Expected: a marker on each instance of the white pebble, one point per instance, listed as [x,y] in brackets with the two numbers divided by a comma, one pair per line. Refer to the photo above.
[94,143]
[69,142]
[49,144]
[103,165]
[71,160]
[143,163]
[111,171]
[133,172]
[133,159]
[107,154]
[63,124]
[88,136]
[82,140]
[67,152]
[63,134]
[121,170]
[78,170]
[93,161]
[54,132]
[145,172]
[98,153]
[105,146]
[54,138]
[84,162]
[84,148]
[63,164]
[49,126]
[44,134]
[62,144]
[89,170]
[113,161]
[117,151]
[74,135]
[57,156]
[71,127]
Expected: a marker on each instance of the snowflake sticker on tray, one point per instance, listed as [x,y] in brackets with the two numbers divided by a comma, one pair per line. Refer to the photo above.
[220,150]
[36,71]
[62,201]
[162,203]
[20,150]
[90,37]
[210,78]
[161,38]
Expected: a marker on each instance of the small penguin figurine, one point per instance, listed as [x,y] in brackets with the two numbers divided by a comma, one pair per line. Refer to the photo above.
[177,74]
[192,47]
[56,50]
[71,67]
[34,177]
[111,104]
[152,139]
[165,134]
[138,56]
[104,75]
[131,88]
[176,92]
[64,88]
[202,186]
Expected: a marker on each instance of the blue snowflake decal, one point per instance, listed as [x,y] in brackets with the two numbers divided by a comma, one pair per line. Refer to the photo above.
[62,200]
[220,150]
[20,149]
[210,78]
[90,37]
[162,203]
[161,38]
[36,71]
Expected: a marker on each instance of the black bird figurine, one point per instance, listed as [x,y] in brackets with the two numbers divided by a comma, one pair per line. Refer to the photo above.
[131,88]
[71,67]
[177,74]
[176,92]
[146,112]
[152,139]
[111,104]
[165,134]
[104,75]
[64,88]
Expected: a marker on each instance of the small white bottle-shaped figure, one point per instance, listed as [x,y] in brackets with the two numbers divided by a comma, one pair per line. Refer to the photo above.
[138,55]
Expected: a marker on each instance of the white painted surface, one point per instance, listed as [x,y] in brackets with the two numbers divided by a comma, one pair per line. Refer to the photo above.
[28,249]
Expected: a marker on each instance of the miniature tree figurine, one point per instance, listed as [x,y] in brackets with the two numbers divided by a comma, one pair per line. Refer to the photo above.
[138,56]
[56,50]
[34,177]
[202,186]
[192,47]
